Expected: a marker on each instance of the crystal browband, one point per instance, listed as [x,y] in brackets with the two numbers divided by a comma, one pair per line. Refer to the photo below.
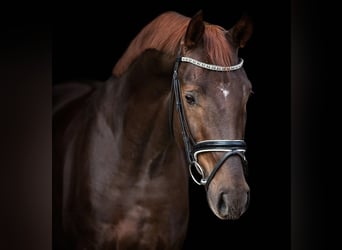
[211,66]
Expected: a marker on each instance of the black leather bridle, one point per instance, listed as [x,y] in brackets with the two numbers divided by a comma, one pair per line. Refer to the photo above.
[193,148]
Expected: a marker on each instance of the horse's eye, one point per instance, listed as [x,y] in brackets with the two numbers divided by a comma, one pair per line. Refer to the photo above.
[190,99]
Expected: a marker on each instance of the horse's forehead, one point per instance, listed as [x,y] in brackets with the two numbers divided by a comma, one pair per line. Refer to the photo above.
[208,80]
[227,89]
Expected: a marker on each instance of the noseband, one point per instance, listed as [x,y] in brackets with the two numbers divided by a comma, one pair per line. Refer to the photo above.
[193,148]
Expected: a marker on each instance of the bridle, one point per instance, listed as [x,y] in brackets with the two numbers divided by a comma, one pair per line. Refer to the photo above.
[193,148]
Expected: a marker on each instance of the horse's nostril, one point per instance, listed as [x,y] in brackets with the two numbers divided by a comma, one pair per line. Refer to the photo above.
[222,204]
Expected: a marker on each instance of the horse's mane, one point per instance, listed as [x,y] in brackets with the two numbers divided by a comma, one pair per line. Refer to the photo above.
[164,34]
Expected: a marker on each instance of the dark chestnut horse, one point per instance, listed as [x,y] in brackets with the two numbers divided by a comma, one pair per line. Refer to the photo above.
[124,149]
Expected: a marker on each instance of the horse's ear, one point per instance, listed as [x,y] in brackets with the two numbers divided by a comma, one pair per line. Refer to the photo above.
[194,31]
[242,31]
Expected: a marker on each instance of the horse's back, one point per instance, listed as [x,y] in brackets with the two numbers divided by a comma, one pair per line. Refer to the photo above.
[68,102]
[64,93]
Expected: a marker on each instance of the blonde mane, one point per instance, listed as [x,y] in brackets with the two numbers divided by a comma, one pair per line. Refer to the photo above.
[164,34]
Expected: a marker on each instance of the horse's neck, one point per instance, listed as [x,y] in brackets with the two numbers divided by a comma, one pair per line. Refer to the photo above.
[137,111]
[125,151]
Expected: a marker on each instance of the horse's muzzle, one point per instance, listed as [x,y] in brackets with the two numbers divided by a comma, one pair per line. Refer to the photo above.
[230,205]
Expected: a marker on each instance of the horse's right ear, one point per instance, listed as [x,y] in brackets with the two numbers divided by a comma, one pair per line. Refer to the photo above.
[242,31]
[194,31]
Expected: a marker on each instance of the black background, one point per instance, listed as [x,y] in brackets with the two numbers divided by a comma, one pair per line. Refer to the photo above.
[88,45]
[291,200]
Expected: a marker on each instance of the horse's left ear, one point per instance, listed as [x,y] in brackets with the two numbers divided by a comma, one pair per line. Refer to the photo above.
[194,31]
[242,31]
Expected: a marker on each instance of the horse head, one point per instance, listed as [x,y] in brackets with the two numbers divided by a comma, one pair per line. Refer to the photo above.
[211,90]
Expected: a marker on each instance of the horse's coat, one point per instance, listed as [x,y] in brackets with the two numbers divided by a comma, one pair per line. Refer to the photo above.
[120,173]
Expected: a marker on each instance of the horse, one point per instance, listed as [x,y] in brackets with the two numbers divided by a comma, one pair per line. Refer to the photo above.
[125,149]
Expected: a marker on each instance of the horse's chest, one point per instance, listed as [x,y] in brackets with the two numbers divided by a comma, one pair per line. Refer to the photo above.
[142,228]
[138,225]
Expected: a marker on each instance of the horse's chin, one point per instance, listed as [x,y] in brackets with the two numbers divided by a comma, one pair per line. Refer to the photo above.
[228,216]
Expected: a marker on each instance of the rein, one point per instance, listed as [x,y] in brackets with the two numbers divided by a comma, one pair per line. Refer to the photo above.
[193,148]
